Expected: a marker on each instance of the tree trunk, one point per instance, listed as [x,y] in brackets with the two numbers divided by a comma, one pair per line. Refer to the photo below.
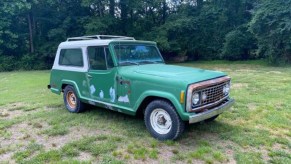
[123,7]
[30,26]
[100,9]
[111,7]
[164,11]
[200,4]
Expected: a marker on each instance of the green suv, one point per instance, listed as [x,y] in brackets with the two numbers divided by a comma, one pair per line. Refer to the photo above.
[126,75]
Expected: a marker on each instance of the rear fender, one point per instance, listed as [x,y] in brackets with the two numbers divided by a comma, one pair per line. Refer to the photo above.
[72,83]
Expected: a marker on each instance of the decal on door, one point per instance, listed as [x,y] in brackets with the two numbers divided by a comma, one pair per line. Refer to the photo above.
[101,94]
[123,99]
[112,94]
[92,89]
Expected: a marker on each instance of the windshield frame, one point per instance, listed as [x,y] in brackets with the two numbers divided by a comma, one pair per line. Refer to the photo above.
[136,44]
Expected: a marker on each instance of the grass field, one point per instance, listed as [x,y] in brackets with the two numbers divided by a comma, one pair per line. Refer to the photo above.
[35,126]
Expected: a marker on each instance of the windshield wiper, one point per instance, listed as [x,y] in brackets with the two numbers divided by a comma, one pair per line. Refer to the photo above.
[128,63]
[150,62]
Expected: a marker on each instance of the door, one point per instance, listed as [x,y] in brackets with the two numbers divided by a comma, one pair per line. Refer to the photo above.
[124,91]
[101,74]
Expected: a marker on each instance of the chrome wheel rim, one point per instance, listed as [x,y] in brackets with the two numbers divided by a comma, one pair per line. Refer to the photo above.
[161,121]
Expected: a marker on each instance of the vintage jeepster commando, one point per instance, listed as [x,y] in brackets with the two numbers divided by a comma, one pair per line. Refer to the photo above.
[130,76]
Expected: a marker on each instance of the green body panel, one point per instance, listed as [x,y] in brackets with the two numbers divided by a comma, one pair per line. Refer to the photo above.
[165,81]
[124,88]
[76,79]
[101,80]
[100,83]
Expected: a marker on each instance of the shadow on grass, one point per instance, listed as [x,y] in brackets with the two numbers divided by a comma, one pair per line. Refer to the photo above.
[243,136]
[133,127]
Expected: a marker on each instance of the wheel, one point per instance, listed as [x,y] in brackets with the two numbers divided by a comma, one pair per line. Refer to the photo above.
[162,120]
[211,119]
[72,102]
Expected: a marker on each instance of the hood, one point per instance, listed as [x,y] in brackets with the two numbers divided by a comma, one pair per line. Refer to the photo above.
[186,74]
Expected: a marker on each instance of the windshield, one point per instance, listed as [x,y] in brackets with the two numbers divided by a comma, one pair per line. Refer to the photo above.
[137,54]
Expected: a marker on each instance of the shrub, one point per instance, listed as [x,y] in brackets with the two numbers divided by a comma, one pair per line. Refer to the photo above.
[8,63]
[239,45]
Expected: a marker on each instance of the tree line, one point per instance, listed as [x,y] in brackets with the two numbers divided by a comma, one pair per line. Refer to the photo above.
[30,30]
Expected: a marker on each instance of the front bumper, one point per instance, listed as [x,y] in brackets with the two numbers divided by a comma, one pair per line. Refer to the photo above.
[212,112]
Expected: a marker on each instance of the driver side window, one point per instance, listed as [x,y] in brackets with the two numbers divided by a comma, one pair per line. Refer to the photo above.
[99,58]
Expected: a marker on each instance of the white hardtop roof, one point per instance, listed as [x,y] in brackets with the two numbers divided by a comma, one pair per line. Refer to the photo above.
[96,40]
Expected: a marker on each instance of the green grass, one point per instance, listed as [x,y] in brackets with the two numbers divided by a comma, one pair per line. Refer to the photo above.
[57,130]
[248,157]
[30,149]
[256,130]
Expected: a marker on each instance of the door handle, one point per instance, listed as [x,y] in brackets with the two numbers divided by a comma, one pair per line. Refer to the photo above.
[89,76]
[119,79]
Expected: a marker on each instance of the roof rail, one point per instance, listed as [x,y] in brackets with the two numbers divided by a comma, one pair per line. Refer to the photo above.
[100,37]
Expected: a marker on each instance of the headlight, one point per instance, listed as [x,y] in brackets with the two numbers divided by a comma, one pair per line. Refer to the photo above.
[195,98]
[226,89]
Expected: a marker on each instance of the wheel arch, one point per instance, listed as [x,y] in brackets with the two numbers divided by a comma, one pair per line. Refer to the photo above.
[71,83]
[150,96]
[141,108]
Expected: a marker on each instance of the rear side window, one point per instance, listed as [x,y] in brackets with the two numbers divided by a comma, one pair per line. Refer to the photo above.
[71,57]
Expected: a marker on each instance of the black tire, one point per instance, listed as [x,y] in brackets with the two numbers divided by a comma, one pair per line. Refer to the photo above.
[177,125]
[211,119]
[71,100]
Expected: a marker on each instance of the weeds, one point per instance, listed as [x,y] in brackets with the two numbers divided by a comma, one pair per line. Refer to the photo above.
[255,130]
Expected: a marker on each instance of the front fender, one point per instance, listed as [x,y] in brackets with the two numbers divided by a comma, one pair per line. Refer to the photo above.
[165,95]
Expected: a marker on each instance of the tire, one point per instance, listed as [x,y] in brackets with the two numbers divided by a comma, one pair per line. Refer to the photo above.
[72,102]
[162,120]
[211,119]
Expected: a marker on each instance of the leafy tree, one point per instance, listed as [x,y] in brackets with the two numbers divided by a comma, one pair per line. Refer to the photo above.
[30,30]
[239,45]
[198,28]
[271,25]
[10,39]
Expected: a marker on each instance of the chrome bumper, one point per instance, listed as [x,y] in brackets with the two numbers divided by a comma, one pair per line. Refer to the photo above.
[210,113]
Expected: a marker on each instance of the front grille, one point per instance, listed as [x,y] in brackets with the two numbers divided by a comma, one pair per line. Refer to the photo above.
[213,93]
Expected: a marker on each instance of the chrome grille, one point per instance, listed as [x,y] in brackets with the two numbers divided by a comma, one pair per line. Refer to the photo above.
[214,93]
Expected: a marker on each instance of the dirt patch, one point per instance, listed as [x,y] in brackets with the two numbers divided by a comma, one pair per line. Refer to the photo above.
[264,153]
[166,152]
[239,85]
[282,133]
[7,158]
[274,72]
[24,133]
[230,148]
[6,114]
[252,106]
[247,70]
[16,106]
[222,69]
[75,133]
[278,147]
[262,150]
[53,107]
[164,156]
[279,105]
[226,146]
[19,135]
[14,110]
[84,156]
